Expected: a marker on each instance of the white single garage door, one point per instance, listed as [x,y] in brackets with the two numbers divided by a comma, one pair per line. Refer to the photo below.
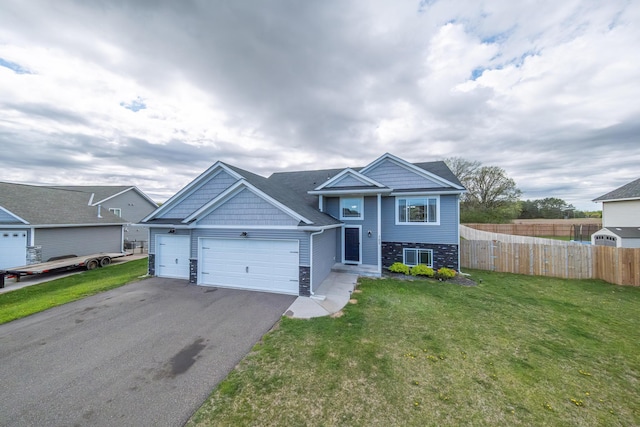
[264,265]
[172,256]
[13,248]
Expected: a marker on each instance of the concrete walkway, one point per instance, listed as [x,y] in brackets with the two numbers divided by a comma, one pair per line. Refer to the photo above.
[329,298]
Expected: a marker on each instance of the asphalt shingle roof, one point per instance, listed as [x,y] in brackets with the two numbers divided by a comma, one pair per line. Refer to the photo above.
[45,205]
[627,191]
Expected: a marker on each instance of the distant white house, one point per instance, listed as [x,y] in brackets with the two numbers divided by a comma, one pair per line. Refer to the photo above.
[620,217]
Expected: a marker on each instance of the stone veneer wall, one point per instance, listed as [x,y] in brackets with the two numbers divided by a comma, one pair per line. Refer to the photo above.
[193,271]
[443,255]
[152,264]
[305,281]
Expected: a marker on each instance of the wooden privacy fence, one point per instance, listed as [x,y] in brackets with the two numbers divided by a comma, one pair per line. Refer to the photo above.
[614,265]
[564,230]
[475,234]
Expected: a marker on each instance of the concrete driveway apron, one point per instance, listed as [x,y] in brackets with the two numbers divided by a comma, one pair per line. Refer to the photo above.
[148,353]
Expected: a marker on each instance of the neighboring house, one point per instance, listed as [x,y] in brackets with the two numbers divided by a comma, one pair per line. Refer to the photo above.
[127,202]
[38,223]
[284,234]
[620,217]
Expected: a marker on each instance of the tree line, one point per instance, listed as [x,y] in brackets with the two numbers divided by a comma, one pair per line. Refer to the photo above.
[493,197]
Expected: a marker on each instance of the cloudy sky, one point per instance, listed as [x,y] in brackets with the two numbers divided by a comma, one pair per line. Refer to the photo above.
[151,93]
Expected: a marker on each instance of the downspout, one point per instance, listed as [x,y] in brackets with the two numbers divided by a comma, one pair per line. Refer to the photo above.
[458,203]
[311,259]
[379,235]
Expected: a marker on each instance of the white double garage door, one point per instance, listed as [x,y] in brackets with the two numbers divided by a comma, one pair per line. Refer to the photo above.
[263,265]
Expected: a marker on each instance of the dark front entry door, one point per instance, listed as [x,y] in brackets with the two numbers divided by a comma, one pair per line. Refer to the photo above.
[352,245]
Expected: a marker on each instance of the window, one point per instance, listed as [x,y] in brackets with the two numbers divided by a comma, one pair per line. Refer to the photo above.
[413,257]
[116,211]
[351,208]
[417,210]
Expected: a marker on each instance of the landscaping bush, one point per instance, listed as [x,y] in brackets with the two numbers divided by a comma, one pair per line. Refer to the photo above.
[445,273]
[398,267]
[422,270]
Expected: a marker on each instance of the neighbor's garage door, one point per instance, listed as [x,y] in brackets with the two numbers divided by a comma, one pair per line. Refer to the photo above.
[172,256]
[264,265]
[13,248]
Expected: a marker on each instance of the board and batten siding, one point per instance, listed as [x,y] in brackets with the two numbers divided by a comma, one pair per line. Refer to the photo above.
[445,233]
[395,176]
[301,236]
[78,240]
[324,254]
[248,209]
[198,198]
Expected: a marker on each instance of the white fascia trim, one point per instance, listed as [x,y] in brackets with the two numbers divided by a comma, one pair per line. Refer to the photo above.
[8,212]
[162,226]
[364,179]
[121,224]
[424,193]
[318,228]
[233,190]
[91,199]
[136,189]
[110,197]
[193,186]
[354,191]
[628,199]
[411,167]
[243,227]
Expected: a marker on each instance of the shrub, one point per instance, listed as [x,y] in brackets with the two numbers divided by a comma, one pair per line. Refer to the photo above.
[398,267]
[445,273]
[422,270]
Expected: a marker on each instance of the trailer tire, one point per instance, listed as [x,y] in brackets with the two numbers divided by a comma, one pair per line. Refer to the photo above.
[92,264]
[105,261]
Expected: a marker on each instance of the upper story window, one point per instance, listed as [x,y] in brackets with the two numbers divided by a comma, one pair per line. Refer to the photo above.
[116,211]
[417,210]
[351,208]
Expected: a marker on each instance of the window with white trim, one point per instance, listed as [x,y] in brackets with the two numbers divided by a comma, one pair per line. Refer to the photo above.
[116,211]
[413,257]
[351,207]
[417,210]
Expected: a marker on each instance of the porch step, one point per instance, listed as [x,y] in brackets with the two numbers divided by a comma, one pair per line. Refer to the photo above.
[361,269]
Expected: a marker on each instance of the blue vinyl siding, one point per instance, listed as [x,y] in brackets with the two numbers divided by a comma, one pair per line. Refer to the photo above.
[445,233]
[245,208]
[301,236]
[324,254]
[198,198]
[370,223]
[5,218]
[398,177]
[154,231]
[332,206]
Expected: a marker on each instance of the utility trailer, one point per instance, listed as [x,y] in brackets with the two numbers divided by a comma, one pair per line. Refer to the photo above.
[89,262]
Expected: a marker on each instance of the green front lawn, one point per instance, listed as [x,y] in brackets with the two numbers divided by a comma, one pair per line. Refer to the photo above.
[32,299]
[514,350]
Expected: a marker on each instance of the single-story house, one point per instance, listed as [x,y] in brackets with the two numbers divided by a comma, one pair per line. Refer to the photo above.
[38,223]
[284,234]
[127,202]
[620,217]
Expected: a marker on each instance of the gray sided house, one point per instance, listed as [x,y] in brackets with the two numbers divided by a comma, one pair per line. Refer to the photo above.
[285,233]
[127,202]
[38,223]
[620,217]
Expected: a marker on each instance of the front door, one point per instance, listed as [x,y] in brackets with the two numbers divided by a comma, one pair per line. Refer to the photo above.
[352,245]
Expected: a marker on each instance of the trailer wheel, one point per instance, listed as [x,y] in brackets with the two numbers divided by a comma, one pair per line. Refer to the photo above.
[105,261]
[92,264]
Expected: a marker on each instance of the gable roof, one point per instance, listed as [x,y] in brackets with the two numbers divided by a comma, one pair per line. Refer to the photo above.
[630,191]
[625,232]
[102,193]
[39,205]
[365,181]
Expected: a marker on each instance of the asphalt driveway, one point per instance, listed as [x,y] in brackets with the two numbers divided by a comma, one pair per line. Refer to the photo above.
[148,353]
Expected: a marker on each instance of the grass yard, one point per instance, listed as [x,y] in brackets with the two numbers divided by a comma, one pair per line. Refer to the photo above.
[32,299]
[514,350]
